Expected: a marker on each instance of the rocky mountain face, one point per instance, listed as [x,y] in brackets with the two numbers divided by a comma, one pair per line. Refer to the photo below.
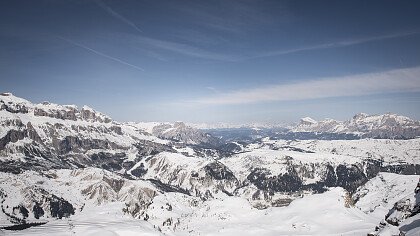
[403,218]
[57,161]
[68,137]
[182,133]
[366,126]
[404,210]
[43,137]
[17,105]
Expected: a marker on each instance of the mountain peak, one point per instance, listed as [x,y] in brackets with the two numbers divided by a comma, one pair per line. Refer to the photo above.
[179,124]
[6,94]
[17,105]
[388,125]
[307,121]
[360,115]
[10,98]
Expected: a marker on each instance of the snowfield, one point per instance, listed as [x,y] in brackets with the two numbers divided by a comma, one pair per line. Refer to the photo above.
[105,220]
[328,213]
[321,214]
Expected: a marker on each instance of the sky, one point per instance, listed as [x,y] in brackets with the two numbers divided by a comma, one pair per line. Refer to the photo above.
[249,61]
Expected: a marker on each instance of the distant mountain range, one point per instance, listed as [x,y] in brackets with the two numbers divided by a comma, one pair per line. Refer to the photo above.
[362,125]
[59,161]
[366,126]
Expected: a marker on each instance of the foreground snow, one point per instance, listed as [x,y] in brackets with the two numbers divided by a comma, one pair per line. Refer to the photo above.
[329,213]
[319,214]
[106,220]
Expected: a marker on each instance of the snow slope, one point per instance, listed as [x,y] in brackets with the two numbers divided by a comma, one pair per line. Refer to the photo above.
[106,220]
[320,214]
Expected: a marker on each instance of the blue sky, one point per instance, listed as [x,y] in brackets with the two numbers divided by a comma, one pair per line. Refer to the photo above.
[214,61]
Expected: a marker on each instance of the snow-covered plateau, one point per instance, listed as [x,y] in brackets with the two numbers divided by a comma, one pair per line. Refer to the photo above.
[66,170]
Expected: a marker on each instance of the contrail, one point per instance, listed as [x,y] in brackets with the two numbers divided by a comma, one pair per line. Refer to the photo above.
[338,44]
[115,14]
[100,53]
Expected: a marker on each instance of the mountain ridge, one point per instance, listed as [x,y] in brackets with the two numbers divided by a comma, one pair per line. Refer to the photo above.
[63,162]
[388,125]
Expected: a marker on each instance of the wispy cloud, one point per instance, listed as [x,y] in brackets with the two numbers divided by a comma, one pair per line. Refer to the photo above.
[213,89]
[100,53]
[117,16]
[399,80]
[338,44]
[159,48]
[232,57]
[234,17]
[179,48]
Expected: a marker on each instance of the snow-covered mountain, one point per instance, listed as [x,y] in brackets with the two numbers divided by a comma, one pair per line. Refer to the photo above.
[68,137]
[253,125]
[77,171]
[367,126]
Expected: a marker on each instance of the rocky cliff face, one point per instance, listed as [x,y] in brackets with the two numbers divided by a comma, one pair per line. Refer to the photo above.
[61,193]
[181,133]
[402,218]
[44,136]
[13,104]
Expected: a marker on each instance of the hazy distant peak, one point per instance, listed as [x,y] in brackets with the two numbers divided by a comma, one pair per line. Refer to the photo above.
[307,121]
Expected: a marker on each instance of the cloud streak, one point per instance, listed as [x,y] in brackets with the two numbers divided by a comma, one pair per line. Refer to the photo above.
[204,54]
[179,48]
[226,56]
[100,53]
[117,16]
[339,44]
[399,80]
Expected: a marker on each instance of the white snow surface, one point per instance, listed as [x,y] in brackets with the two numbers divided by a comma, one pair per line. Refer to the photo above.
[105,220]
[379,194]
[387,150]
[319,214]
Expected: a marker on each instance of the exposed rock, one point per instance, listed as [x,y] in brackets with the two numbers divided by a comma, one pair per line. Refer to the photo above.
[67,113]
[181,133]
[350,177]
[401,213]
[60,208]
[11,136]
[139,171]
[38,211]
[89,114]
[288,182]
[219,171]
[146,148]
